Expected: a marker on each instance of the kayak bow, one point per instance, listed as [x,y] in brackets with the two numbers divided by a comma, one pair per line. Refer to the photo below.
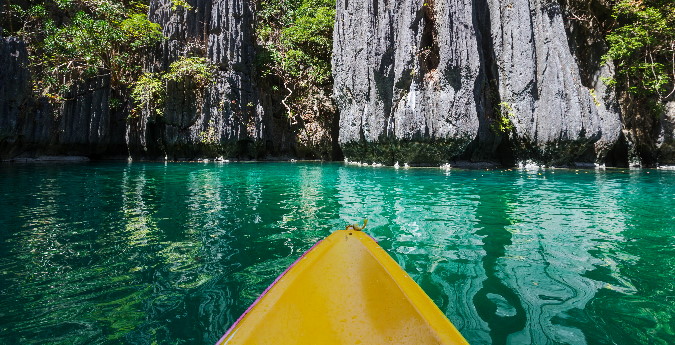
[344,290]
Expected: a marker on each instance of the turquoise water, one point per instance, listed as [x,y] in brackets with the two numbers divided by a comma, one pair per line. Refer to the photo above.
[154,253]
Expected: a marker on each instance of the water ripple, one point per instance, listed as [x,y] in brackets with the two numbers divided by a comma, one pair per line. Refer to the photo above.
[149,253]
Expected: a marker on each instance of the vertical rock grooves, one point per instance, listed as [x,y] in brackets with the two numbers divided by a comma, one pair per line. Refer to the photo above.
[14,91]
[418,82]
[585,24]
[491,143]
[84,124]
[185,129]
[471,80]
[225,119]
[404,83]
[666,135]
[642,138]
[553,116]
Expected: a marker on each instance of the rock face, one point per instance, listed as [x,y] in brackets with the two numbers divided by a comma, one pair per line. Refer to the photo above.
[82,125]
[14,89]
[449,73]
[555,118]
[666,138]
[197,121]
[225,119]
[406,78]
[418,82]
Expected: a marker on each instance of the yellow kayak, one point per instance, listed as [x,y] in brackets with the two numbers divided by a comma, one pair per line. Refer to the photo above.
[344,290]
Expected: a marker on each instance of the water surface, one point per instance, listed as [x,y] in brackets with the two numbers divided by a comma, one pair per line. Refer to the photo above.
[154,253]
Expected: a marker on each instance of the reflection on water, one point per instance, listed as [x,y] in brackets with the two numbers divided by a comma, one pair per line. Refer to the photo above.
[174,253]
[496,302]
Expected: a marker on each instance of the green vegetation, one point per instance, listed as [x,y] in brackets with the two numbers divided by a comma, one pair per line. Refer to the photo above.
[149,91]
[176,4]
[503,122]
[296,38]
[594,96]
[643,45]
[74,40]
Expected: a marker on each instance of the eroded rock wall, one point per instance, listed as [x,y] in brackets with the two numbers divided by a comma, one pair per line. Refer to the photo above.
[450,73]
[666,138]
[555,118]
[226,117]
[232,116]
[82,124]
[419,82]
[14,90]
[405,79]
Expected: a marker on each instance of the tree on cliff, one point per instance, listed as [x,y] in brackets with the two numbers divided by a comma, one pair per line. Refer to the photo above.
[295,40]
[643,44]
[73,40]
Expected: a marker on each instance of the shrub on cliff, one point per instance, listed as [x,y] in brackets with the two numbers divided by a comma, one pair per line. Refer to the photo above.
[149,91]
[295,41]
[643,44]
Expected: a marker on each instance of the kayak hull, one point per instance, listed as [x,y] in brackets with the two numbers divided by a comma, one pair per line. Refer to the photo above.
[345,290]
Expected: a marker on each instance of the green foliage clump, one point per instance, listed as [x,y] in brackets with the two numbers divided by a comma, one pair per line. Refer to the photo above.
[197,69]
[643,45]
[74,40]
[296,39]
[503,122]
[149,91]
[308,43]
[594,96]
[177,4]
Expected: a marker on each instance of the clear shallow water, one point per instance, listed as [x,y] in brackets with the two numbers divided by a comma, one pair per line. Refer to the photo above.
[153,253]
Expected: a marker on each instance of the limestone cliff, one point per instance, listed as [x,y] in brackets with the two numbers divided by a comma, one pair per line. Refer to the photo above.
[406,79]
[227,117]
[449,73]
[418,82]
[14,89]
[83,124]
[666,137]
[556,119]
